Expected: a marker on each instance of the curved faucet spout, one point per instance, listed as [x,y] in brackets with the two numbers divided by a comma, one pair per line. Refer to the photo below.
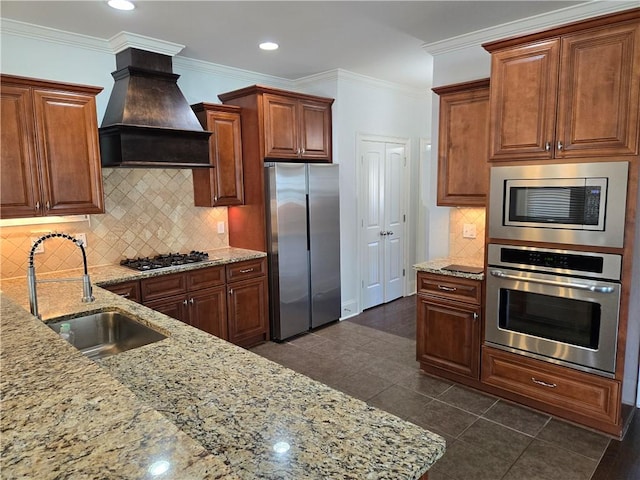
[87,291]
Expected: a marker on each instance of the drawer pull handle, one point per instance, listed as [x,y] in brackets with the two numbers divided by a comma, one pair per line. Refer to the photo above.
[544,384]
[247,270]
[447,289]
[125,295]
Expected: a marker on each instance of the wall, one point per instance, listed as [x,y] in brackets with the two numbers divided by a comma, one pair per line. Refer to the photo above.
[363,105]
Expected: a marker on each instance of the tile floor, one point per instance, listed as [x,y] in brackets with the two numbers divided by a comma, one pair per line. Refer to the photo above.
[372,357]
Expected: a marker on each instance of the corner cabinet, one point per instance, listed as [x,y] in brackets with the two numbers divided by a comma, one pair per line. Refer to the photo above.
[463,144]
[568,92]
[221,185]
[50,151]
[449,329]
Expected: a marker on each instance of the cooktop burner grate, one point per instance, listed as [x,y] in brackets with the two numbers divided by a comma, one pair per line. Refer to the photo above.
[165,260]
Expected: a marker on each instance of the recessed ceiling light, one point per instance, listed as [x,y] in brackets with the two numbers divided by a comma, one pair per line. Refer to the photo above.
[269,46]
[121,4]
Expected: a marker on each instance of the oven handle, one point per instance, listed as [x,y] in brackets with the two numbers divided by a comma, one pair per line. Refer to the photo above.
[580,286]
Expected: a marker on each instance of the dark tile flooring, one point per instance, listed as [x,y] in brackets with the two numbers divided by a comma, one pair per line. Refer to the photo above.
[372,357]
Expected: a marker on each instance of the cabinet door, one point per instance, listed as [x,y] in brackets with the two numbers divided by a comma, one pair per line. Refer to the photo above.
[448,336]
[223,184]
[463,150]
[247,311]
[176,307]
[280,127]
[69,155]
[523,101]
[129,290]
[20,187]
[208,311]
[315,131]
[599,96]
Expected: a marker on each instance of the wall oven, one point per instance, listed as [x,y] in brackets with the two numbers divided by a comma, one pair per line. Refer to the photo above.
[575,203]
[560,306]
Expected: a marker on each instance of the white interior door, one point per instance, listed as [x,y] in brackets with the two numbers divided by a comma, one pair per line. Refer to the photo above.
[382,222]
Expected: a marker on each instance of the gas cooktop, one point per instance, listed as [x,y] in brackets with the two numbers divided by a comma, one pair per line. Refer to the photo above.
[166,260]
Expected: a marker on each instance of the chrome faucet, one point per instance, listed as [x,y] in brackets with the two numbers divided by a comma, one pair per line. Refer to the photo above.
[87,292]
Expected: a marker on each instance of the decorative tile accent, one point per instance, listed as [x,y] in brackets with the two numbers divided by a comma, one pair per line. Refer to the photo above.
[472,248]
[147,211]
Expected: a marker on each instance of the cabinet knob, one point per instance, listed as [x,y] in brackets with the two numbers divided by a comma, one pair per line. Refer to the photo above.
[192,301]
[475,316]
[47,206]
[547,146]
[231,291]
[37,205]
[303,151]
[184,302]
[560,146]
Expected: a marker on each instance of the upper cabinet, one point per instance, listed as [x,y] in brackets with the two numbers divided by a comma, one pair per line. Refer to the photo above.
[569,92]
[463,136]
[50,153]
[293,126]
[221,185]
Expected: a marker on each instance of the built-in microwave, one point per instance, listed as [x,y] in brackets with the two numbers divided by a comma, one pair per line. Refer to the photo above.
[574,203]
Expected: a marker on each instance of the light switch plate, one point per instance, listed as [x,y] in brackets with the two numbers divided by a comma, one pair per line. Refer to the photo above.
[220,227]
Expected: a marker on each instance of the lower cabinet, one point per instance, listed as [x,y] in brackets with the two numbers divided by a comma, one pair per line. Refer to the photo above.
[448,326]
[587,399]
[229,301]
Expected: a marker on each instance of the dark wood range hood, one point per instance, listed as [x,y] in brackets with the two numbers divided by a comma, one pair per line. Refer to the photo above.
[148,122]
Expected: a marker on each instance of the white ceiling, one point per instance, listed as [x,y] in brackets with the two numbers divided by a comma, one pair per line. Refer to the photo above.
[380,39]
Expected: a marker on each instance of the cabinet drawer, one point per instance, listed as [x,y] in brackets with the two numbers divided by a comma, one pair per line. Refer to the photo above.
[163,286]
[129,290]
[454,288]
[247,269]
[570,390]
[205,278]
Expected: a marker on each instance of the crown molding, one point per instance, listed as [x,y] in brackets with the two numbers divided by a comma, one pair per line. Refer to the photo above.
[340,74]
[123,40]
[37,32]
[528,25]
[215,69]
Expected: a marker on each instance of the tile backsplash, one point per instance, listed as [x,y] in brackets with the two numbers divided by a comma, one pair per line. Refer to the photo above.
[147,211]
[460,247]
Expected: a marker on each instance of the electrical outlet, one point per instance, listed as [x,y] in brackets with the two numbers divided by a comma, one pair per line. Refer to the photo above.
[40,248]
[82,237]
[469,230]
[220,227]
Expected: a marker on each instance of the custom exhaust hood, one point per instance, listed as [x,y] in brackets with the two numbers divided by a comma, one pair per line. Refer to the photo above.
[148,121]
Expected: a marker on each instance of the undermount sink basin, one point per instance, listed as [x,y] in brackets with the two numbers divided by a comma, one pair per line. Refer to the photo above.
[107,333]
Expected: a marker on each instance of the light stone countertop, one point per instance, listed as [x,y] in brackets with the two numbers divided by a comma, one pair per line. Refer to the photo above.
[208,408]
[436,265]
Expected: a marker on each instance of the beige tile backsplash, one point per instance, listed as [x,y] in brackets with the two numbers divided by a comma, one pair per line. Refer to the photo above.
[472,248]
[148,211]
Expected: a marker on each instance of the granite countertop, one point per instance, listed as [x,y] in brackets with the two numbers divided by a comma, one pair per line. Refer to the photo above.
[436,266]
[192,403]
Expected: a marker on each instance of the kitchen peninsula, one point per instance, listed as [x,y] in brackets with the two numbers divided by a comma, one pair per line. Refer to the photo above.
[192,405]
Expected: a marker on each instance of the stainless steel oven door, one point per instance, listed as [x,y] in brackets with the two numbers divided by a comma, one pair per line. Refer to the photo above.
[565,320]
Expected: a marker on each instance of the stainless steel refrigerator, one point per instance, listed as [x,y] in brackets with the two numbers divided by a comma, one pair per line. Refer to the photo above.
[303,246]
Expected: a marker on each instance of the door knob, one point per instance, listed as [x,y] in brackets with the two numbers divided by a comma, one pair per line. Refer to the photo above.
[383,233]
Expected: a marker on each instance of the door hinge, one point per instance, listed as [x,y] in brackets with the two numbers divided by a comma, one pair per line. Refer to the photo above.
[362,283]
[403,272]
[404,217]
[405,161]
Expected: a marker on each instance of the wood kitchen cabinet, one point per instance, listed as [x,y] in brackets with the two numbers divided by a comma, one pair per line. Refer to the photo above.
[297,128]
[195,297]
[449,329]
[569,92]
[50,151]
[229,301]
[129,290]
[223,184]
[272,117]
[248,307]
[463,150]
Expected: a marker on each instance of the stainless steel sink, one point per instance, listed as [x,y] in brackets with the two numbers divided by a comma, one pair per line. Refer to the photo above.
[107,333]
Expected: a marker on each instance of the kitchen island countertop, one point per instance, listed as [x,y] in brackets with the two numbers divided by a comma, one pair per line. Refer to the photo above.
[192,404]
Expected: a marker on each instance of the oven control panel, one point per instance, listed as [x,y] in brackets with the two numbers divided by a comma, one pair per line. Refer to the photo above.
[565,261]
